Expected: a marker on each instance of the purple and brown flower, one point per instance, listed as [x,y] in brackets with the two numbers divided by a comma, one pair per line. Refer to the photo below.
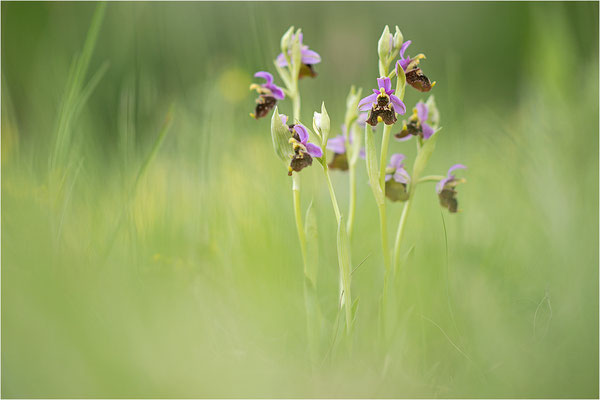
[338,146]
[417,124]
[304,151]
[308,59]
[396,179]
[268,94]
[383,104]
[446,189]
[414,76]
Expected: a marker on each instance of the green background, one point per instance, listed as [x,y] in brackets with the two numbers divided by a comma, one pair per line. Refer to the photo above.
[189,283]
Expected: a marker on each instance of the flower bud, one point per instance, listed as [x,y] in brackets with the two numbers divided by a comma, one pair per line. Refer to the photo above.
[434,113]
[398,39]
[384,47]
[325,124]
[286,39]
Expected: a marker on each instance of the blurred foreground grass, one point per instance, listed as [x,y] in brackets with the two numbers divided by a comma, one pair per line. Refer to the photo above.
[189,284]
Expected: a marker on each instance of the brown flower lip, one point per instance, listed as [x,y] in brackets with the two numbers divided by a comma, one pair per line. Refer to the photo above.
[264,104]
[383,110]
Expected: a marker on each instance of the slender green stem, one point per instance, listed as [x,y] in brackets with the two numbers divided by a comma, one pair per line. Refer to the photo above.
[344,266]
[336,208]
[400,232]
[296,104]
[385,141]
[299,224]
[352,207]
[431,178]
[384,239]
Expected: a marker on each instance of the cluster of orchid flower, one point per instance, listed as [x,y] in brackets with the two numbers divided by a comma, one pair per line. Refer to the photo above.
[298,146]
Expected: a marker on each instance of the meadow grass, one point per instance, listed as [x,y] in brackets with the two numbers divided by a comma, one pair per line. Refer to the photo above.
[148,240]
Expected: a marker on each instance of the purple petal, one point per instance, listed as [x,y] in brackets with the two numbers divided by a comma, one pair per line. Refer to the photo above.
[300,36]
[388,177]
[337,144]
[401,176]
[396,160]
[422,111]
[264,75]
[402,63]
[276,91]
[310,57]
[427,130]
[399,106]
[366,103]
[404,47]
[314,150]
[455,167]
[283,118]
[302,133]
[385,83]
[440,185]
[281,61]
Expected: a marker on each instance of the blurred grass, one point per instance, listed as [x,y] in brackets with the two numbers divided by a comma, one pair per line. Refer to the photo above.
[201,293]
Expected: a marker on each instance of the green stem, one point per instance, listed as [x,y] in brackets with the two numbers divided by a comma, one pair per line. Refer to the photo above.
[400,232]
[431,178]
[299,224]
[384,241]
[385,141]
[344,269]
[296,104]
[352,207]
[336,208]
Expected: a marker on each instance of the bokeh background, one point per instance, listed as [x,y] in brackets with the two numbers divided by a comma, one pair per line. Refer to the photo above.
[135,267]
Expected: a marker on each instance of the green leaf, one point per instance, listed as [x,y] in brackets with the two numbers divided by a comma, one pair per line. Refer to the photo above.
[424,155]
[372,168]
[354,310]
[280,134]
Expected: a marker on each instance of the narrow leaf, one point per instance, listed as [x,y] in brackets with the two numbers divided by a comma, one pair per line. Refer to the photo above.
[354,310]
